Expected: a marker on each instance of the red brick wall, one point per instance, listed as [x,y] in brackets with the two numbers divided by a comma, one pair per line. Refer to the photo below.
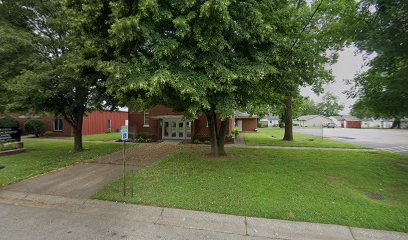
[48,121]
[353,124]
[97,122]
[94,123]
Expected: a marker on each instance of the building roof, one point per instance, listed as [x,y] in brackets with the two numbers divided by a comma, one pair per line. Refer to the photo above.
[239,114]
[336,117]
[308,117]
[349,118]
[271,117]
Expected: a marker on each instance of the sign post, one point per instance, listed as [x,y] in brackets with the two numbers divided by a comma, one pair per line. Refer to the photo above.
[125,136]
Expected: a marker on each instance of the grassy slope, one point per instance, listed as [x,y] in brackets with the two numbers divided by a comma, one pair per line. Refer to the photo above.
[105,137]
[301,185]
[273,137]
[44,156]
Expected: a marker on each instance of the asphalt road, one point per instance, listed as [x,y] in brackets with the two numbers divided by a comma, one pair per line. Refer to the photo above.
[390,140]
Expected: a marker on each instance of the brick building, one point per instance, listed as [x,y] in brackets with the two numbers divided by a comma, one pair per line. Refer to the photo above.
[161,122]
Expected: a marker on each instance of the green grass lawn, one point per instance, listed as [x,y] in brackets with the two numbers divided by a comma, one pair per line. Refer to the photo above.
[273,137]
[45,155]
[300,185]
[104,137]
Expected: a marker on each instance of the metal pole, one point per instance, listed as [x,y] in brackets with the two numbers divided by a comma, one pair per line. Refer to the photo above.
[322,131]
[124,168]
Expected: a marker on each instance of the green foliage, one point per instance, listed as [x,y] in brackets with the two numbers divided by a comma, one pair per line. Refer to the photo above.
[384,86]
[218,56]
[71,40]
[304,106]
[235,132]
[362,110]
[34,126]
[17,51]
[329,106]
[9,122]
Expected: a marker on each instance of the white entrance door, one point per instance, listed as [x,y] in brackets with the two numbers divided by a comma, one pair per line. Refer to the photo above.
[176,129]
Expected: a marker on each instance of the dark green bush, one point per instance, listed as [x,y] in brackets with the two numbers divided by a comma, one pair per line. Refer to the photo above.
[9,122]
[34,126]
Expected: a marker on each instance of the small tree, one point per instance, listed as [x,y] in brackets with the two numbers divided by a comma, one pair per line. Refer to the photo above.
[34,126]
[330,105]
[9,122]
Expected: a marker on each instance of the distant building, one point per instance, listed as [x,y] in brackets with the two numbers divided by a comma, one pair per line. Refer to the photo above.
[376,123]
[336,120]
[270,120]
[245,122]
[347,121]
[312,121]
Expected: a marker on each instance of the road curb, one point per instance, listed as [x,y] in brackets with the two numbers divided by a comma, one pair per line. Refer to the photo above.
[211,222]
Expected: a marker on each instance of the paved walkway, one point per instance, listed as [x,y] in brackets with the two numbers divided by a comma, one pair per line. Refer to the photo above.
[84,179]
[80,219]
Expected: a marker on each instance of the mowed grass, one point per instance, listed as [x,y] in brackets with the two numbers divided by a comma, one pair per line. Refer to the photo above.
[46,155]
[273,137]
[300,185]
[104,137]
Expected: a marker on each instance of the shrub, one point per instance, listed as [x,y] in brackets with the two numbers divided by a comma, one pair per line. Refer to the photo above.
[34,126]
[9,122]
[235,132]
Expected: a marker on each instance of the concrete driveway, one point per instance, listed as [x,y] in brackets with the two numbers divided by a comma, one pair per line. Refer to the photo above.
[391,140]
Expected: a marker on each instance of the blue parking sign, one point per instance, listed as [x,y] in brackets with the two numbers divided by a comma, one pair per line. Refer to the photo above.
[124,136]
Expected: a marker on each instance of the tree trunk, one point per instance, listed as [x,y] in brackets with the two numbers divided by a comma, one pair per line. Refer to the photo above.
[78,139]
[217,135]
[212,128]
[221,138]
[288,120]
[396,123]
[77,125]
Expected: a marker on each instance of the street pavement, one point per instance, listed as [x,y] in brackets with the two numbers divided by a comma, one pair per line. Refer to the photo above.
[34,216]
[390,140]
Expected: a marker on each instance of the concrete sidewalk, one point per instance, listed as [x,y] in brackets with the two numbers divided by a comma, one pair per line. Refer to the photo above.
[85,179]
[67,218]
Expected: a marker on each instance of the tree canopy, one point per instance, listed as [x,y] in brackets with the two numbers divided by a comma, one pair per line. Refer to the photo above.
[381,27]
[211,57]
[71,39]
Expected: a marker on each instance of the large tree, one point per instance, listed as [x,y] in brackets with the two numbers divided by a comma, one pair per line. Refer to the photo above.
[330,105]
[381,27]
[17,46]
[199,57]
[211,57]
[318,34]
[72,38]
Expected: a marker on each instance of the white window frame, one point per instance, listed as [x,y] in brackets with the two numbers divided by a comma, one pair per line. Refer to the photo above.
[109,124]
[60,125]
[146,119]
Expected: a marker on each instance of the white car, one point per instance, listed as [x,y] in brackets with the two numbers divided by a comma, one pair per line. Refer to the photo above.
[331,125]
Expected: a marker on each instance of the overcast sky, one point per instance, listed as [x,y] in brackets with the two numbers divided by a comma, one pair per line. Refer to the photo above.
[349,63]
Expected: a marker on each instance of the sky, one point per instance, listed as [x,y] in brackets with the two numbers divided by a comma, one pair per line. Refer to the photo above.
[349,63]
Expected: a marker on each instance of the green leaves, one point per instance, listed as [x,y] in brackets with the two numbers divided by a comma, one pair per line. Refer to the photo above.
[381,27]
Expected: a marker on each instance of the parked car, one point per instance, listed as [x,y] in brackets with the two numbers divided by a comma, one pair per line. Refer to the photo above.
[331,125]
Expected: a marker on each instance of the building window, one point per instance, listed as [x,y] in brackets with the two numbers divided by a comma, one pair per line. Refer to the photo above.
[58,125]
[145,119]
[109,124]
